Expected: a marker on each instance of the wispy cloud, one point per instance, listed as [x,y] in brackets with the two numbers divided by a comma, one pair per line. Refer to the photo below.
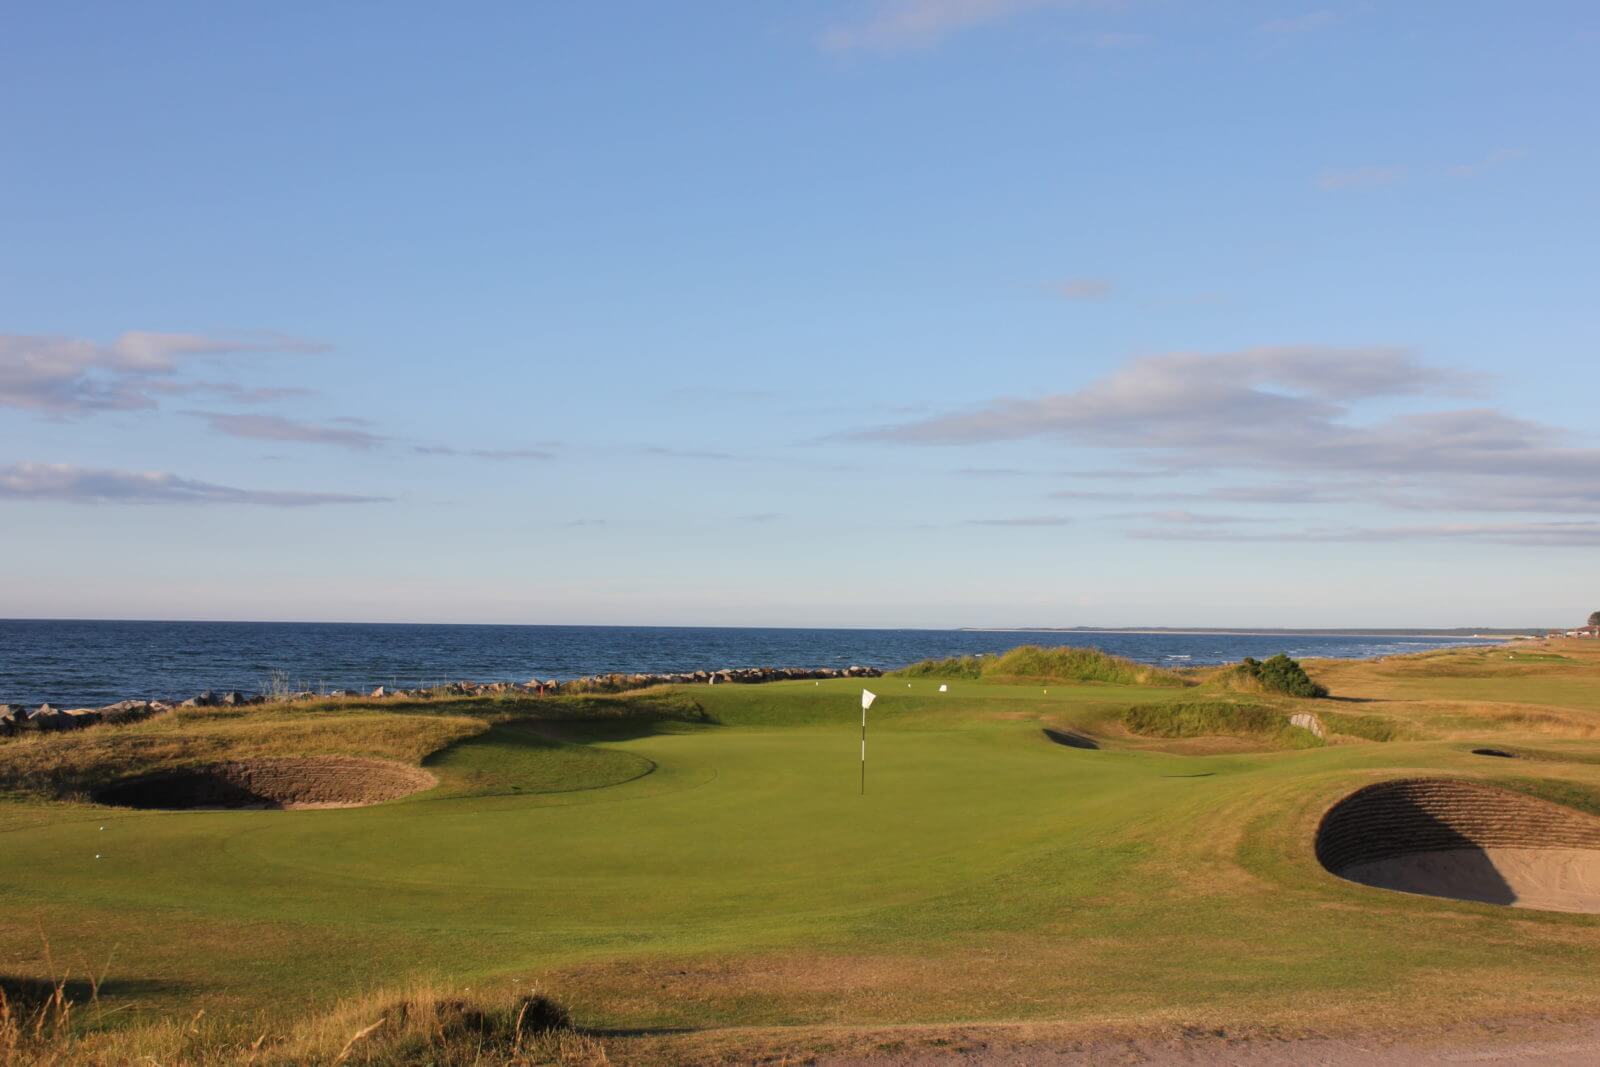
[1297,418]
[1544,534]
[900,24]
[1308,22]
[85,485]
[1181,517]
[1082,288]
[995,472]
[667,452]
[341,433]
[1245,396]
[69,377]
[1113,39]
[1497,158]
[1024,520]
[498,454]
[1332,181]
[237,394]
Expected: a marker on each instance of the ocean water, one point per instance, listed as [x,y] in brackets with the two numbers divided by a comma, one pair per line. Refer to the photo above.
[80,663]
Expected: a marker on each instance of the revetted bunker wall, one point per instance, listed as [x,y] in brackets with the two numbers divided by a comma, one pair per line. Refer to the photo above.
[271,783]
[1412,815]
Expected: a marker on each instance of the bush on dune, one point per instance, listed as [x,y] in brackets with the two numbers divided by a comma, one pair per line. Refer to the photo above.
[1065,663]
[1280,674]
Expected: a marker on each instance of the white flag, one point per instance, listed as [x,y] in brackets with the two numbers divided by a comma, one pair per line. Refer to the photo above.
[867,697]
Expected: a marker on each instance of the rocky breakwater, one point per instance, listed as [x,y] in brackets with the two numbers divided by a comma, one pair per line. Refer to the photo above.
[16,719]
[618,683]
[47,718]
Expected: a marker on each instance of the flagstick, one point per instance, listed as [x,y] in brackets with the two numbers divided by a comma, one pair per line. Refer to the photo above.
[867,697]
[863,751]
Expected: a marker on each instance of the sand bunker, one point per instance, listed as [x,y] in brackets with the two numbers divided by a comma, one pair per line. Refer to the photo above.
[1447,838]
[311,782]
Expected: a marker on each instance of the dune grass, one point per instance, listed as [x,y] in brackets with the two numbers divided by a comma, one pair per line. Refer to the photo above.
[1218,718]
[1062,664]
[743,896]
[1366,727]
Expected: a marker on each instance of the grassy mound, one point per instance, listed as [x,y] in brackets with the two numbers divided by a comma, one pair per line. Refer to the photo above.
[1367,727]
[1062,664]
[1216,718]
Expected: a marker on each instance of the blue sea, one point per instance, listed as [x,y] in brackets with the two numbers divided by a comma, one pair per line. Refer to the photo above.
[83,663]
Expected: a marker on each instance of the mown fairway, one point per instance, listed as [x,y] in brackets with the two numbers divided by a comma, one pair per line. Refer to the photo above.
[658,872]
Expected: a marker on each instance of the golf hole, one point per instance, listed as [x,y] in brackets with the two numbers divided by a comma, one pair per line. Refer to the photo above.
[327,782]
[1446,838]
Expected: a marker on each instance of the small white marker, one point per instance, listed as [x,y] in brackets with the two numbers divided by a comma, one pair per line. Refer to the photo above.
[944,689]
[97,855]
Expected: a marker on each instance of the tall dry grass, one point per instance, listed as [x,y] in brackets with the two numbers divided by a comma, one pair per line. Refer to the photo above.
[1065,663]
[60,1023]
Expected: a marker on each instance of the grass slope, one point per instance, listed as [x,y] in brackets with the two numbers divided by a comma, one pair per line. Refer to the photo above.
[701,861]
[1062,664]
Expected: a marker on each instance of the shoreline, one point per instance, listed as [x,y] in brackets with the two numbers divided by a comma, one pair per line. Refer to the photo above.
[1157,631]
[48,715]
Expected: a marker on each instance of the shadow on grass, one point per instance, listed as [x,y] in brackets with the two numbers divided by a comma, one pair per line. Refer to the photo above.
[30,993]
[1071,739]
[534,756]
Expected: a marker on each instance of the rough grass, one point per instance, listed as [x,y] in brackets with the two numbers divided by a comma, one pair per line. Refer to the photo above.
[69,765]
[1065,663]
[61,1023]
[1217,718]
[1366,727]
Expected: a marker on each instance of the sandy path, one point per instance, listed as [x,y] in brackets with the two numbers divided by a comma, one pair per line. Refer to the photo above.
[1550,1045]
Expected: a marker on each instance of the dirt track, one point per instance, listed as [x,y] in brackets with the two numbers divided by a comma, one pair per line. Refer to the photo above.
[1523,1045]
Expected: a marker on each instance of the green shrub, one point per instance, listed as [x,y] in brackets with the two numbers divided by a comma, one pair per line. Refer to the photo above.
[1280,674]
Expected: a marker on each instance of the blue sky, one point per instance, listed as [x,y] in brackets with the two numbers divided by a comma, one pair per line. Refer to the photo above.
[907,313]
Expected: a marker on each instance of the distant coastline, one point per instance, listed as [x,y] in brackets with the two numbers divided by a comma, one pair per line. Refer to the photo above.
[1443,635]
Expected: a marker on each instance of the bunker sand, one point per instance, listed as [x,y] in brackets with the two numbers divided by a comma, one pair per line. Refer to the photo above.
[1548,879]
